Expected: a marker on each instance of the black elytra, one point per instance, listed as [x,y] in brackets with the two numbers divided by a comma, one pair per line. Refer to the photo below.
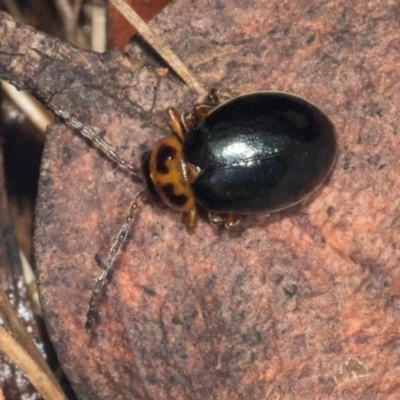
[263,151]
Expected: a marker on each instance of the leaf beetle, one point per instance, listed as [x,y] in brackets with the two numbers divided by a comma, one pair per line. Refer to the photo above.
[259,152]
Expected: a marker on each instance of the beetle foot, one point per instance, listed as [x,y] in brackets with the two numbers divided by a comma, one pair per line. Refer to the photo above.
[230,221]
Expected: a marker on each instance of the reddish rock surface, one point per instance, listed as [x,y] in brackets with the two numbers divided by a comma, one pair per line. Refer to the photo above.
[303,304]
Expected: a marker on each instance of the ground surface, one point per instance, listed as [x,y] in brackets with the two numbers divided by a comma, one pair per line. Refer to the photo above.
[304,304]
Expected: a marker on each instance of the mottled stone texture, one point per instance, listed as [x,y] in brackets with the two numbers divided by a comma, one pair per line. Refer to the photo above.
[304,304]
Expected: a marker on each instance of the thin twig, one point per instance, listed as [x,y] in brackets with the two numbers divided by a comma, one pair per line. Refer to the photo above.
[44,385]
[70,14]
[14,325]
[98,34]
[76,9]
[157,44]
[31,107]
[65,9]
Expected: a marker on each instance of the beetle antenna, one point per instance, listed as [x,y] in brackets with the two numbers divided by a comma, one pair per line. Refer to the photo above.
[92,314]
[97,141]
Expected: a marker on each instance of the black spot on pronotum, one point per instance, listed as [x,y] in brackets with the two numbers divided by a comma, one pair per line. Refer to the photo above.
[178,200]
[164,153]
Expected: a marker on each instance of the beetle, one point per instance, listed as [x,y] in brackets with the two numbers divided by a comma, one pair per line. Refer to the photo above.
[259,152]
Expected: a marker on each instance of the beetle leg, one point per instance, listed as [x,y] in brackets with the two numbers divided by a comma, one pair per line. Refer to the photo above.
[192,172]
[190,219]
[181,123]
[175,121]
[232,220]
[201,110]
[188,120]
[215,218]
[212,97]
[229,220]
